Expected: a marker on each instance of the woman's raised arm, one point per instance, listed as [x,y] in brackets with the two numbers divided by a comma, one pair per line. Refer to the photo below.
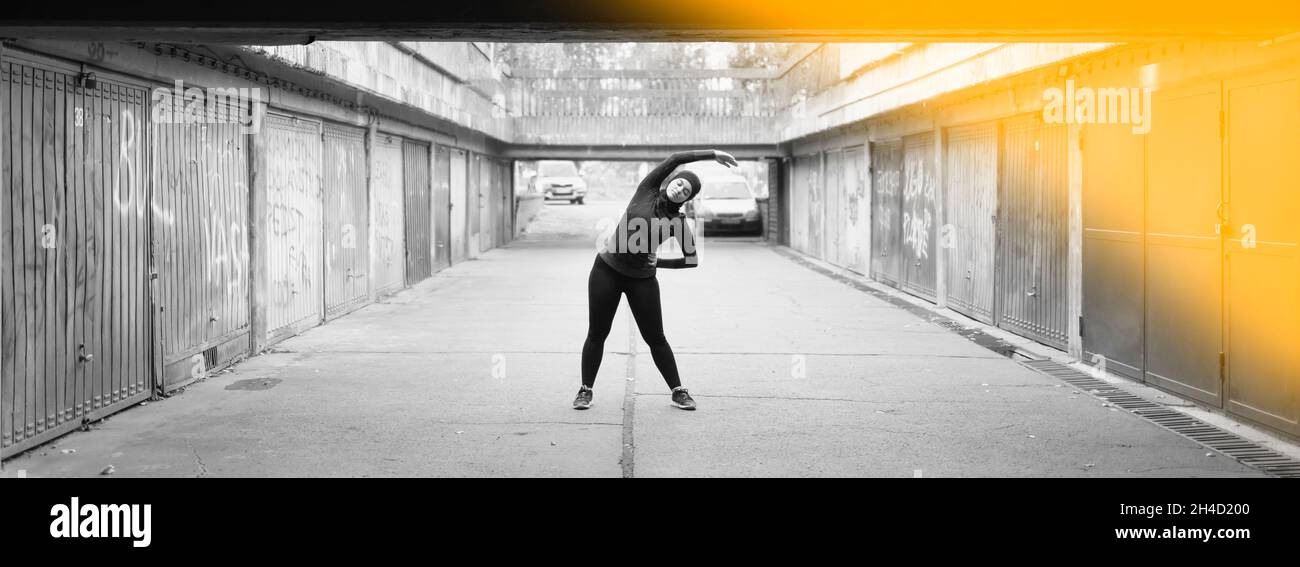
[666,167]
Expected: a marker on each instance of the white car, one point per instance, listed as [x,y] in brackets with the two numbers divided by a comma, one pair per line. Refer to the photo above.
[727,204]
[560,181]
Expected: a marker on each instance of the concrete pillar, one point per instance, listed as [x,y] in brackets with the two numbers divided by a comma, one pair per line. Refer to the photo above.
[434,221]
[258,277]
[774,227]
[865,204]
[4,182]
[1074,261]
[940,252]
[372,130]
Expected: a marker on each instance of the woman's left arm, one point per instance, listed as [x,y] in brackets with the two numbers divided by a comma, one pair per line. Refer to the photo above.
[660,172]
[682,232]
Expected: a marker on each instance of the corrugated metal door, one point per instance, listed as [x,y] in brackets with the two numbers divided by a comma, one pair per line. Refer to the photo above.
[1113,265]
[1263,247]
[200,219]
[459,206]
[919,216]
[419,220]
[347,220]
[887,213]
[294,227]
[833,203]
[74,272]
[441,208]
[1033,238]
[971,206]
[855,221]
[1183,257]
[389,262]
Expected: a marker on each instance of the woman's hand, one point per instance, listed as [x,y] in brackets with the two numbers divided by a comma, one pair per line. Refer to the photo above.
[725,158]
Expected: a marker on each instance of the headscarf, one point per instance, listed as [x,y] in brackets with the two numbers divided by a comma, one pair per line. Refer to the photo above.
[664,206]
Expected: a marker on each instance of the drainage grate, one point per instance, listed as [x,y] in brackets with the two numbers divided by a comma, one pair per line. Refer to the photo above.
[1247,452]
[210,358]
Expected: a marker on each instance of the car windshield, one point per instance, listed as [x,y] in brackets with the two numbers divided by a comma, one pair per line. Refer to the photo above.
[725,190]
[558,169]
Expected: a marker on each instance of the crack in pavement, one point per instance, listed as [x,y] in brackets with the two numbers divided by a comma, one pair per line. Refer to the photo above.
[846,400]
[629,400]
[203,468]
[527,423]
[425,352]
[846,354]
[802,399]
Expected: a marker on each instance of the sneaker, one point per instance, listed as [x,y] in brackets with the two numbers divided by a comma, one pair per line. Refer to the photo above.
[682,399]
[583,401]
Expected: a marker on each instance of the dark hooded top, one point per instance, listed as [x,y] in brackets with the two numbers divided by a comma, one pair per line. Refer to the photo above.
[651,218]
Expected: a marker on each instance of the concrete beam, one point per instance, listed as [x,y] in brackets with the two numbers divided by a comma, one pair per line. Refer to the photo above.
[244,21]
[633,153]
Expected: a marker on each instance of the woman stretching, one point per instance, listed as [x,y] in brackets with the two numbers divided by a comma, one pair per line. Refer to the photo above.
[626,265]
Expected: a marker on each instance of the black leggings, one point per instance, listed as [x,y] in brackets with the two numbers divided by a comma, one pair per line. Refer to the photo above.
[603,289]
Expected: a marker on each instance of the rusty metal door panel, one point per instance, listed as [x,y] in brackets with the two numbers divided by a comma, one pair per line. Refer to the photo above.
[1262,245]
[419,219]
[833,217]
[971,206]
[75,264]
[441,208]
[1183,254]
[459,176]
[295,233]
[200,219]
[1033,238]
[886,211]
[1114,197]
[855,213]
[346,217]
[919,216]
[389,262]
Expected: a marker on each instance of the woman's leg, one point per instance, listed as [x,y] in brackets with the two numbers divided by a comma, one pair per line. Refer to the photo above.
[643,298]
[603,292]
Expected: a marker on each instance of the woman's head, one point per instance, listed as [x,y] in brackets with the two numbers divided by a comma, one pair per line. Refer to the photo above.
[681,187]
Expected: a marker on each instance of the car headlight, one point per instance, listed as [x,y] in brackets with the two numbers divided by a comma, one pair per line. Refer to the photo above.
[751,214]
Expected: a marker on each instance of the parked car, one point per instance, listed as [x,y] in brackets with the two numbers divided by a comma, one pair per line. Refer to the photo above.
[728,205]
[560,181]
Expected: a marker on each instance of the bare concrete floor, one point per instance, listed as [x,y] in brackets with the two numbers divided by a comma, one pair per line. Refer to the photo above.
[472,373]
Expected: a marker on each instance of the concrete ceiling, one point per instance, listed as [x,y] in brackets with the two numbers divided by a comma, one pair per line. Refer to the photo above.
[248,22]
